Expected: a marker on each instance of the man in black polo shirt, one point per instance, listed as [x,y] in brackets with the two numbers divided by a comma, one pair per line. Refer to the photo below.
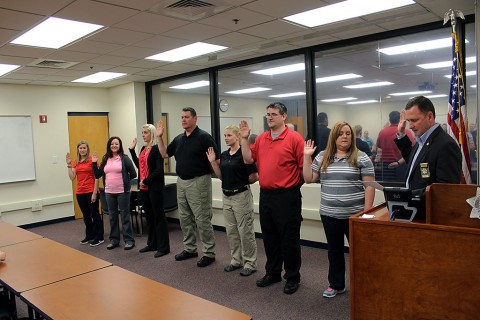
[194,185]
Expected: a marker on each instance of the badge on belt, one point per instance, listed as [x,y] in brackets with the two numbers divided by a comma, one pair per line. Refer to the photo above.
[424,169]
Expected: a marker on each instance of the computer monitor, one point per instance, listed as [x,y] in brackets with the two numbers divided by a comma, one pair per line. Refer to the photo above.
[401,205]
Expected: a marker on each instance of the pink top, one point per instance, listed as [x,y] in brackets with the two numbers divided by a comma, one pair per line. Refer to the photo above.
[113,175]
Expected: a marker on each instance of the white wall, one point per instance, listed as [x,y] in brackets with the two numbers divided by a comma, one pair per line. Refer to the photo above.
[52,186]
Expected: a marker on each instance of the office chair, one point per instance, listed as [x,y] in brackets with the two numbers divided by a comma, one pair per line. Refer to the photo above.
[103,202]
[170,198]
[136,211]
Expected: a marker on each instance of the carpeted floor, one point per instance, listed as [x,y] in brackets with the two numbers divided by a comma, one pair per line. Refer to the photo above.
[212,283]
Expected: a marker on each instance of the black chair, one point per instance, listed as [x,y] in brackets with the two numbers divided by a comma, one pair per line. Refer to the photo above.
[136,211]
[103,202]
[170,198]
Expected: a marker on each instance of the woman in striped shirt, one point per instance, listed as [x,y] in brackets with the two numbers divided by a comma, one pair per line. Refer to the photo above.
[341,167]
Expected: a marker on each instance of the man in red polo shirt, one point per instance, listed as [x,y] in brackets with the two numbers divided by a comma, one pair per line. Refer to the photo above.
[279,157]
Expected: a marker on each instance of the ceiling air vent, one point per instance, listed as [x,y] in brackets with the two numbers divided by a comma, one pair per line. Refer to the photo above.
[54,64]
[190,9]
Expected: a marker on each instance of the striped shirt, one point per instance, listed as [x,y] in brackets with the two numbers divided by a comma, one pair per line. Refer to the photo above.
[342,192]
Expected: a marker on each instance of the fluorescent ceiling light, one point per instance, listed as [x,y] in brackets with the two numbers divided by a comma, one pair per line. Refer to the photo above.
[55,33]
[369,85]
[410,93]
[191,85]
[186,52]
[436,96]
[282,69]
[362,102]
[250,90]
[100,77]
[468,73]
[6,68]
[473,86]
[418,46]
[284,95]
[339,99]
[443,64]
[338,77]
[344,10]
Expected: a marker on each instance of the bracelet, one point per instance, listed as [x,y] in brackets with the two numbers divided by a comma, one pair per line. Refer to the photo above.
[69,166]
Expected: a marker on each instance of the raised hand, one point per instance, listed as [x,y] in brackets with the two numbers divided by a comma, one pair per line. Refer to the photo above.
[211,155]
[94,157]
[160,128]
[402,124]
[244,129]
[68,158]
[309,148]
[133,144]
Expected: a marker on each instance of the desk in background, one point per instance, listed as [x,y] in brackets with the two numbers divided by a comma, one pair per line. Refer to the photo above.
[115,293]
[10,234]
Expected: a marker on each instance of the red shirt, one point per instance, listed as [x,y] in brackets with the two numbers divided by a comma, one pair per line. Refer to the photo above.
[279,161]
[390,151]
[144,171]
[85,177]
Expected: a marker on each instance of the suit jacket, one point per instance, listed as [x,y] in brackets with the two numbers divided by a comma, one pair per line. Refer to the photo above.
[156,176]
[440,159]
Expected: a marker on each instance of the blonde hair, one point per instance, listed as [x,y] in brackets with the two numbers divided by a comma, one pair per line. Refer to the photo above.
[331,149]
[79,157]
[234,128]
[153,134]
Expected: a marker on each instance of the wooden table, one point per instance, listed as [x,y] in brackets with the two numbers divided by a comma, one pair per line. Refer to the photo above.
[36,263]
[115,293]
[10,234]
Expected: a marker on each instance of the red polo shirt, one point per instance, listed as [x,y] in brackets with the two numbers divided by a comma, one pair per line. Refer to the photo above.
[279,160]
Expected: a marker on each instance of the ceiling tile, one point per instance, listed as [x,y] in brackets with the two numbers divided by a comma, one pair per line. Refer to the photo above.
[246,18]
[196,32]
[272,29]
[150,23]
[119,36]
[15,20]
[93,47]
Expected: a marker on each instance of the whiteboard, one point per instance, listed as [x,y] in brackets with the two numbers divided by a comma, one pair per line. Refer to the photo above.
[204,123]
[17,162]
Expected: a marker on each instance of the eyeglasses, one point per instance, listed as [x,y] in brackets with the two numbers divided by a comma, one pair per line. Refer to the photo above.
[273,115]
[279,106]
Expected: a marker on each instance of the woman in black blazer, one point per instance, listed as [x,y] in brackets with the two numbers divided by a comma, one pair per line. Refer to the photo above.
[152,187]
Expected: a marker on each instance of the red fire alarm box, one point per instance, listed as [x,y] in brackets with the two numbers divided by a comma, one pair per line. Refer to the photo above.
[43,119]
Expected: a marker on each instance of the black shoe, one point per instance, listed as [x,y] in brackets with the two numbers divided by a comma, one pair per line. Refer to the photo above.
[291,286]
[205,261]
[159,254]
[184,255]
[231,267]
[146,249]
[112,246]
[85,241]
[96,242]
[267,280]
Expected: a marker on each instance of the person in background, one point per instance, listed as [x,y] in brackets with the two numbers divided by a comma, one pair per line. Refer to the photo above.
[86,193]
[252,138]
[117,170]
[278,154]
[237,202]
[152,187]
[436,157]
[322,131]
[361,145]
[393,166]
[194,185]
[341,168]
[368,140]
[444,127]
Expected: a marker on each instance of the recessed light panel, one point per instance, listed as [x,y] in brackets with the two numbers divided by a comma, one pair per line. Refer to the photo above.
[338,77]
[186,52]
[55,33]
[282,69]
[192,85]
[249,90]
[339,99]
[6,68]
[369,85]
[285,95]
[100,77]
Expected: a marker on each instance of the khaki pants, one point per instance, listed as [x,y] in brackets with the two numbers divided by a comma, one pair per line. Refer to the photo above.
[239,218]
[194,199]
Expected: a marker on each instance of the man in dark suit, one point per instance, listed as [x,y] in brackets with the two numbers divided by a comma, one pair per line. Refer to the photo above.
[436,156]
[361,145]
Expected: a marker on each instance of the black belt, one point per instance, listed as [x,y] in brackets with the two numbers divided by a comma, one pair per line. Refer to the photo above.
[229,193]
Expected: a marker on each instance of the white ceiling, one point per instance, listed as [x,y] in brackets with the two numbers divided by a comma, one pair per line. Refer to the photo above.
[135,29]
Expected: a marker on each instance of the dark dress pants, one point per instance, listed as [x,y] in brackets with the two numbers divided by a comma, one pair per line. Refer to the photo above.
[152,202]
[91,216]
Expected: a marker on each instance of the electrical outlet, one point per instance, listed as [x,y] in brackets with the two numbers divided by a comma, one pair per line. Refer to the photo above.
[37,205]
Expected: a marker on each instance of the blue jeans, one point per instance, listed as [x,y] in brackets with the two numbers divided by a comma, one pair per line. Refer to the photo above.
[119,203]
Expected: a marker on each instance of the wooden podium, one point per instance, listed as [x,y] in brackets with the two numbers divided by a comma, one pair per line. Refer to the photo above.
[417,270]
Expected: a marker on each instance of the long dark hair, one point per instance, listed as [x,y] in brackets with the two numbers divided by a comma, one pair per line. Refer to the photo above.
[109,153]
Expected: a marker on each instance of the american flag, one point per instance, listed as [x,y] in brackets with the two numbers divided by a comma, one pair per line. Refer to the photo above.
[457,109]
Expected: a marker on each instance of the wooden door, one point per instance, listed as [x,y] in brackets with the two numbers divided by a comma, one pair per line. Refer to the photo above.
[92,127]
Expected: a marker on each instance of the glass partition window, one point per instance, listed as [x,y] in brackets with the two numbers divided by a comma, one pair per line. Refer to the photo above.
[248,90]
[169,98]
[366,87]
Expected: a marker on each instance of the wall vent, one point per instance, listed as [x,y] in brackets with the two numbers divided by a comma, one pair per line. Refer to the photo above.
[54,64]
[190,9]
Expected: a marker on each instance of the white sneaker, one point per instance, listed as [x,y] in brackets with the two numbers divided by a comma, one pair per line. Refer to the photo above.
[330,293]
